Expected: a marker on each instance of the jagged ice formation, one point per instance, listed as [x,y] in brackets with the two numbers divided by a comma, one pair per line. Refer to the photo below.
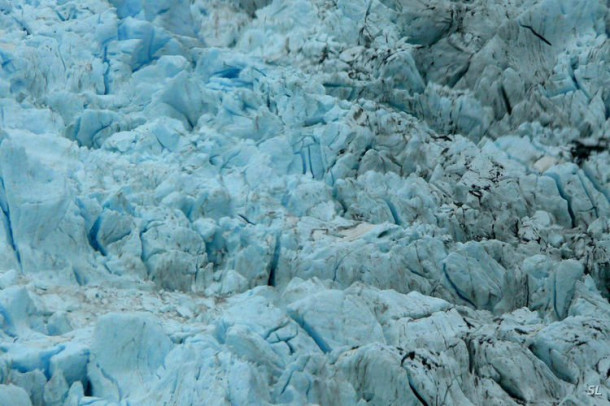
[333,202]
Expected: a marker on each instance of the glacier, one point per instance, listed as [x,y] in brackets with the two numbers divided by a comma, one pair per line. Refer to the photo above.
[324,202]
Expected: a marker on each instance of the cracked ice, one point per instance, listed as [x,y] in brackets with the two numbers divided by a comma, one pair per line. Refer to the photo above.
[333,202]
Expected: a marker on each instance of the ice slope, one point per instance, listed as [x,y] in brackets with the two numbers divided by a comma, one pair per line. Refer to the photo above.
[250,202]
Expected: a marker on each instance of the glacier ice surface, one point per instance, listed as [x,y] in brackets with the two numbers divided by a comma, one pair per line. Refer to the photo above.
[347,202]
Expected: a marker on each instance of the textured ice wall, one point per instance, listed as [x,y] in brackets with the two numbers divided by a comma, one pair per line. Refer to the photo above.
[385,202]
